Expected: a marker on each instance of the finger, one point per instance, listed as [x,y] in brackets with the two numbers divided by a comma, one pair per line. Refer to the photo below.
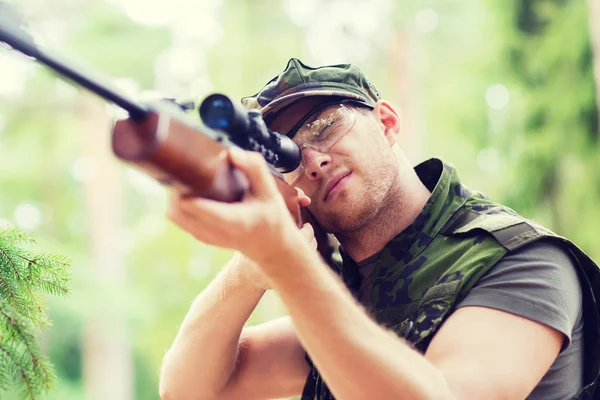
[309,233]
[202,234]
[177,208]
[209,221]
[214,212]
[184,222]
[308,230]
[172,204]
[303,199]
[187,207]
[254,166]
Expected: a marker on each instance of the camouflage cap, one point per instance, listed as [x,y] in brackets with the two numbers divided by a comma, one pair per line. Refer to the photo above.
[299,80]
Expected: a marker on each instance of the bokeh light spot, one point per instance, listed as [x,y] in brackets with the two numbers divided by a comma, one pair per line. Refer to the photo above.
[497,96]
[427,20]
[27,216]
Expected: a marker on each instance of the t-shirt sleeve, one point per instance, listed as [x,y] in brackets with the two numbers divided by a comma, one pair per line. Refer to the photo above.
[538,282]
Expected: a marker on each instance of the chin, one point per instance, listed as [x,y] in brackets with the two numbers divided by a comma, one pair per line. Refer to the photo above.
[347,218]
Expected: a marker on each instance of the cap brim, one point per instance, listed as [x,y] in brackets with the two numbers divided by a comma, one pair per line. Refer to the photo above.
[284,101]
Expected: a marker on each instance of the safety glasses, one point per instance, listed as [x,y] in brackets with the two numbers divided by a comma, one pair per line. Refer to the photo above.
[322,133]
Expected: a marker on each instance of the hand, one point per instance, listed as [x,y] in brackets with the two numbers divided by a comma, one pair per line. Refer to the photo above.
[251,272]
[260,226]
[309,234]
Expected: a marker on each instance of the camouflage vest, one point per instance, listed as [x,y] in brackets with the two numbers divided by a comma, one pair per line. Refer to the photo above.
[429,267]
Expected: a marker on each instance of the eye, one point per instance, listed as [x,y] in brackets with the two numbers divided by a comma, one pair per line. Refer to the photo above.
[325,128]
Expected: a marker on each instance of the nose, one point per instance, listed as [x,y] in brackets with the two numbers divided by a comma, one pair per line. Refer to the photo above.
[315,162]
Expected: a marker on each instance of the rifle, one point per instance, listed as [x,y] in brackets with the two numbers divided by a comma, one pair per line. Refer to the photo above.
[163,141]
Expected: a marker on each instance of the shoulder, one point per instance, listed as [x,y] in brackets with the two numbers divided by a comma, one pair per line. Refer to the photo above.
[544,259]
[538,281]
[544,262]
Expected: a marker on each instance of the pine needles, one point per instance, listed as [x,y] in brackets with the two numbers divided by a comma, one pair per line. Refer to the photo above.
[24,277]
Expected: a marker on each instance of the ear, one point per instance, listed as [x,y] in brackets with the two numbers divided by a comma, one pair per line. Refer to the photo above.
[390,120]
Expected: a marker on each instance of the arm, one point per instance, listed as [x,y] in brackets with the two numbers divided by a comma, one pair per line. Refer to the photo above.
[490,354]
[202,356]
[270,364]
[355,356]
[540,283]
[478,353]
[213,357]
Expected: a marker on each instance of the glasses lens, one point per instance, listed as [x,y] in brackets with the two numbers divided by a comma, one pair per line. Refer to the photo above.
[326,130]
[321,134]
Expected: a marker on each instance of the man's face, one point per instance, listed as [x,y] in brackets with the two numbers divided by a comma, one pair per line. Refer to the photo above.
[349,181]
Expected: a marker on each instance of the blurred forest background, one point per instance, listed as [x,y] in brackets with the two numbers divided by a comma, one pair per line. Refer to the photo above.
[503,89]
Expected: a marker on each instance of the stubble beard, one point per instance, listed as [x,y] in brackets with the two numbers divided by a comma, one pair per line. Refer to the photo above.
[356,210]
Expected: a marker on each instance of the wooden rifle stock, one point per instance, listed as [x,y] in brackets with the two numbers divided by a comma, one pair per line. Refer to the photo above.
[177,155]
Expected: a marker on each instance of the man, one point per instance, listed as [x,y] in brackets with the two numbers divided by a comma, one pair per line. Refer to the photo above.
[442,294]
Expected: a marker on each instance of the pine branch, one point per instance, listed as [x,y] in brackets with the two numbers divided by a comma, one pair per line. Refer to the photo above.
[18,330]
[17,369]
[10,262]
[18,276]
[23,277]
[15,236]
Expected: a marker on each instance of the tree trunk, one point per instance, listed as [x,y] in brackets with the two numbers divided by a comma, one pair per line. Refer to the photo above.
[595,40]
[107,360]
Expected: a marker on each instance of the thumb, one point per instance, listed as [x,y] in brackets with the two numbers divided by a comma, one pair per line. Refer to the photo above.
[254,166]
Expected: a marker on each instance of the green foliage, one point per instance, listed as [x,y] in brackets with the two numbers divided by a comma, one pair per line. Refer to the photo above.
[24,276]
[112,44]
[558,155]
[546,138]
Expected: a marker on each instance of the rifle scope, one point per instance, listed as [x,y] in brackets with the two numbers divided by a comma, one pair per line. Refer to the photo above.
[248,130]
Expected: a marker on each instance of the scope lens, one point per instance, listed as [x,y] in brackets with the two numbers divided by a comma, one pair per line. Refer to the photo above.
[217,112]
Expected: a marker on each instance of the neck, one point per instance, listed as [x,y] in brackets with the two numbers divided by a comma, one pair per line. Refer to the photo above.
[401,207]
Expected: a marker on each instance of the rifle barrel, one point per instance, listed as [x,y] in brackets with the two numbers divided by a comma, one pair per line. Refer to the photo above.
[26,46]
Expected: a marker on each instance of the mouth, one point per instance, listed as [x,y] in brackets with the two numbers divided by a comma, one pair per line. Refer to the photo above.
[335,184]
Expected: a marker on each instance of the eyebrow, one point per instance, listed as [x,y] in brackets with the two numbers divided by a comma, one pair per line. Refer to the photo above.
[308,117]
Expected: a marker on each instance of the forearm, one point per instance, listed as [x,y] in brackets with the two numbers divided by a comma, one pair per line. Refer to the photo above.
[357,358]
[203,355]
